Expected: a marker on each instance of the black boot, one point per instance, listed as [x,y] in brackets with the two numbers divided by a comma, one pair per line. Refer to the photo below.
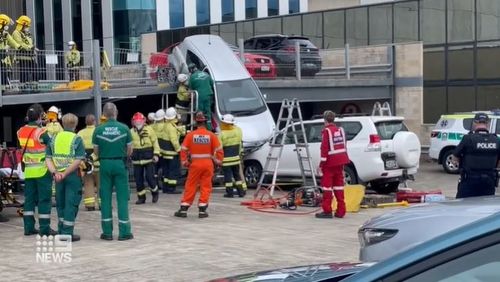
[141,199]
[202,212]
[324,215]
[182,212]
[155,195]
[241,193]
[229,192]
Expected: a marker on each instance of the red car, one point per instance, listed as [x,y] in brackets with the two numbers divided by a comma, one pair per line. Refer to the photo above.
[257,65]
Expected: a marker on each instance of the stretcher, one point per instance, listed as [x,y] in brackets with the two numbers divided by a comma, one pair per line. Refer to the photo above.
[11,176]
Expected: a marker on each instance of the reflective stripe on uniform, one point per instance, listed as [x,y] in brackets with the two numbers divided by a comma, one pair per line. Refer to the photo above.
[28,213]
[172,182]
[141,193]
[89,200]
[184,204]
[323,159]
[229,184]
[338,188]
[69,223]
[332,150]
[201,205]
[154,189]
[201,156]
[45,216]
[326,188]
[107,219]
[123,221]
[61,219]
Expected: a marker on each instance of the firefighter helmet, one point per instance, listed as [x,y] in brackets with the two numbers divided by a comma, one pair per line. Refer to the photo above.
[24,20]
[4,20]
[228,118]
[182,78]
[160,115]
[171,113]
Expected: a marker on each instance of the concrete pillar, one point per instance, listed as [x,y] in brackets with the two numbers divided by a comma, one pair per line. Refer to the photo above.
[162,15]
[87,33]
[261,8]
[215,11]
[30,12]
[107,29]
[67,19]
[304,6]
[189,12]
[239,10]
[148,46]
[48,20]
[284,7]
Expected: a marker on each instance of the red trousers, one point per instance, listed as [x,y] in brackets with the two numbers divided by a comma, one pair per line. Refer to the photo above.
[200,175]
[332,182]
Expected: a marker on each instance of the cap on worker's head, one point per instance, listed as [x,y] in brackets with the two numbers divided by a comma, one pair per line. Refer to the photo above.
[171,113]
[71,43]
[329,116]
[151,116]
[182,78]
[200,117]
[481,118]
[160,115]
[228,118]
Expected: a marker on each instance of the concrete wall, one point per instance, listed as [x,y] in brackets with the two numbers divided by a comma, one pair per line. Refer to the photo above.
[319,5]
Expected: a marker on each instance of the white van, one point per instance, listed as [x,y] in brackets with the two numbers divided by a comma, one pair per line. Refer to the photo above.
[235,91]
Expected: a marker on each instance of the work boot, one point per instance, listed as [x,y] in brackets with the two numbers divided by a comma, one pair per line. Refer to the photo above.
[32,232]
[229,193]
[127,237]
[339,216]
[202,213]
[182,212]
[3,218]
[241,193]
[106,237]
[141,199]
[155,195]
[53,232]
[324,215]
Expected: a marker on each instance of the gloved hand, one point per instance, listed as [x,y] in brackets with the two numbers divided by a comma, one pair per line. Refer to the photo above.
[155,159]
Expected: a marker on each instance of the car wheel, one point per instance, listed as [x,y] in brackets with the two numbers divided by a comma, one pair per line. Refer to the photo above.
[350,176]
[448,164]
[385,187]
[252,172]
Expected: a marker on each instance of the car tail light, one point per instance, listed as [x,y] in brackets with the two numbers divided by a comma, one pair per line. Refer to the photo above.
[374,144]
[434,134]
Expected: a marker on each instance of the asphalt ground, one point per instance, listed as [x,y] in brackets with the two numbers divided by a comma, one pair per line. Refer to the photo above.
[233,240]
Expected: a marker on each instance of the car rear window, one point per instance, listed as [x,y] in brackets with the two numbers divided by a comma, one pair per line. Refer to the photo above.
[387,129]
[467,123]
[303,42]
[313,131]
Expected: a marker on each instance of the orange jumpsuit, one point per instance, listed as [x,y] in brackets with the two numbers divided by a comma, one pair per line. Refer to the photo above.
[200,149]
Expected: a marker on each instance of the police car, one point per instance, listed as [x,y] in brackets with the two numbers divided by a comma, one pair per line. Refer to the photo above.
[448,132]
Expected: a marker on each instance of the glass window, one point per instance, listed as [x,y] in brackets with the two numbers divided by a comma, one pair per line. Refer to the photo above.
[251,9]
[245,30]
[460,63]
[273,7]
[58,25]
[130,20]
[334,29]
[202,12]
[478,265]
[488,60]
[312,28]
[405,22]
[357,26]
[268,26]
[292,25]
[433,21]
[460,20]
[293,6]
[434,67]
[461,99]
[40,25]
[467,123]
[387,129]
[227,10]
[488,97]
[434,104]
[176,13]
[227,32]
[380,24]
[351,128]
[488,19]
[248,101]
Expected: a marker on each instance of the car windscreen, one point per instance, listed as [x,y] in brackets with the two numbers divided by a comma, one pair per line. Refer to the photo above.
[239,98]
[387,129]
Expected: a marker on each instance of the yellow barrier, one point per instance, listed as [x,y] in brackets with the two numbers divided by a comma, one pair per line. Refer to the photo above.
[80,85]
[353,195]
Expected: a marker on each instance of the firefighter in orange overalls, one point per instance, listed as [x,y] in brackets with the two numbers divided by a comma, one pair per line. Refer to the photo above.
[199,151]
[333,158]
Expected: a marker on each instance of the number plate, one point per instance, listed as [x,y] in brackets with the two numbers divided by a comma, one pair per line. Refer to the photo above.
[265,68]
[391,164]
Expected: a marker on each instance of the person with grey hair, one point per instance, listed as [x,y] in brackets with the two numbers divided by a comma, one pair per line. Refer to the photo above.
[113,146]
[63,157]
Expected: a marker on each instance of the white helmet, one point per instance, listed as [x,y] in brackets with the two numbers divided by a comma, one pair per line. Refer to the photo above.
[228,118]
[182,78]
[151,116]
[53,109]
[171,113]
[71,43]
[160,115]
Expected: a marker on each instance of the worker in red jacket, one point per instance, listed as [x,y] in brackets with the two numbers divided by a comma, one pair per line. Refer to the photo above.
[333,158]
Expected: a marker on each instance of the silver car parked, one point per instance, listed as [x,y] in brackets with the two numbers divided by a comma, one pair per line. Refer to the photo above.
[388,234]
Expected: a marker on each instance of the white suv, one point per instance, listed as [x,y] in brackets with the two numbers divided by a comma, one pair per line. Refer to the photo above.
[381,149]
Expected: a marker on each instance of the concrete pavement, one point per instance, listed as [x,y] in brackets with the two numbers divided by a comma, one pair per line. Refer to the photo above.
[233,240]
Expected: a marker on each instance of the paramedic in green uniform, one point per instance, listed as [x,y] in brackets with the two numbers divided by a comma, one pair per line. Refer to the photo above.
[113,145]
[202,82]
[64,156]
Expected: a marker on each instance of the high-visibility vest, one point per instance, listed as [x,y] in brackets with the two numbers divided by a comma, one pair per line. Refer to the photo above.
[334,146]
[34,156]
[53,128]
[63,150]
[231,144]
[145,145]
[169,141]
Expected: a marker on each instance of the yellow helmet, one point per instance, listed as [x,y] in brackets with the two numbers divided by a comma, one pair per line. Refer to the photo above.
[24,20]
[4,20]
[103,119]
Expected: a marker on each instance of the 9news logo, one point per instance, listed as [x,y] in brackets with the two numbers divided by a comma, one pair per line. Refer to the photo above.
[53,249]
